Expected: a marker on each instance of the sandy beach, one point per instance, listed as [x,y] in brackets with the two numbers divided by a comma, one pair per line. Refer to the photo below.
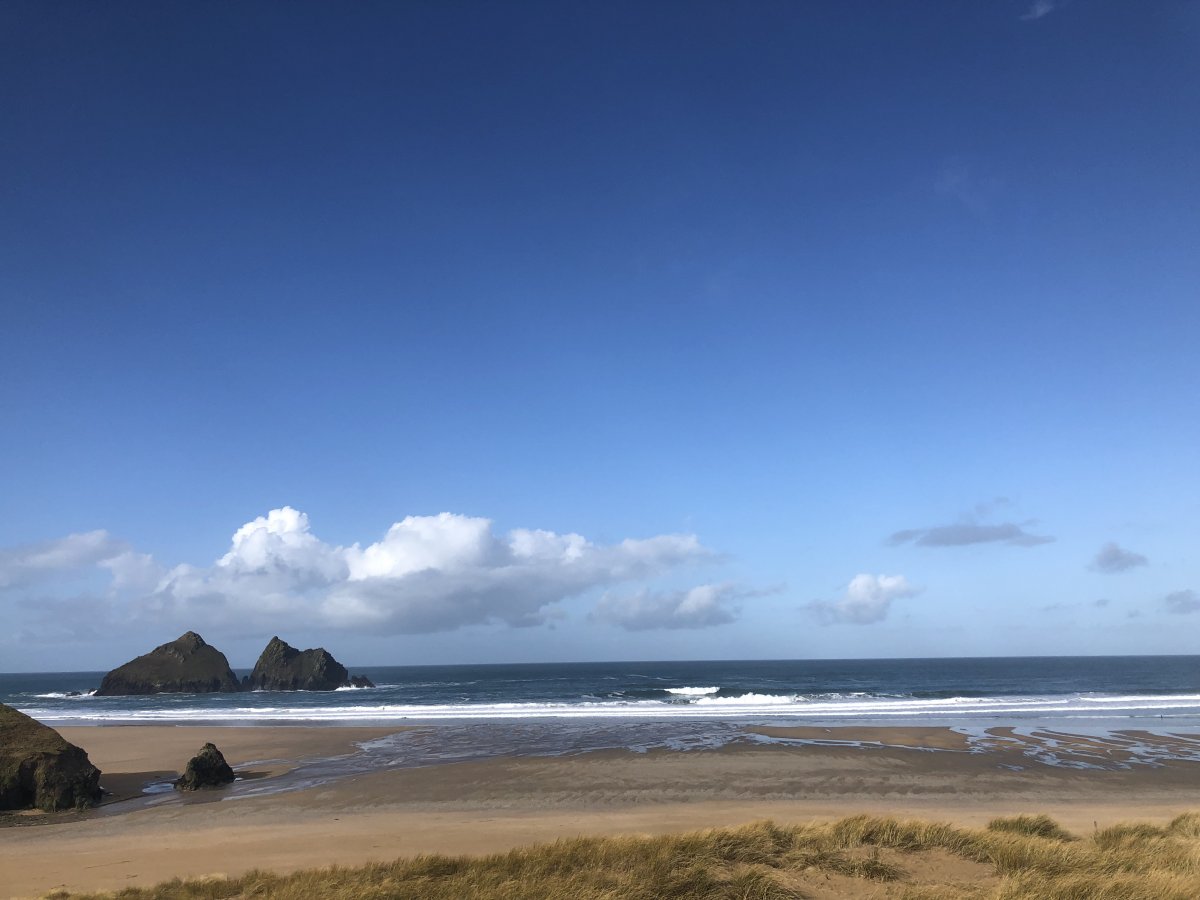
[480,807]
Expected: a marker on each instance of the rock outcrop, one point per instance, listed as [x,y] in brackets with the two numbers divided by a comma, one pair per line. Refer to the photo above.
[185,665]
[206,769]
[282,667]
[39,769]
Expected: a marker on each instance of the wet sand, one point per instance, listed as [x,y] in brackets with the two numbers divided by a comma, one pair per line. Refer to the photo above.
[492,805]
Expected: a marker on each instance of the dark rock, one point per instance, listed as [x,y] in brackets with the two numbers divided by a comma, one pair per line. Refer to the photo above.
[282,667]
[206,769]
[361,681]
[39,769]
[186,665]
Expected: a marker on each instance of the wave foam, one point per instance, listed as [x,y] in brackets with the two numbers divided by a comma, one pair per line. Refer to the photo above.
[752,700]
[776,707]
[692,691]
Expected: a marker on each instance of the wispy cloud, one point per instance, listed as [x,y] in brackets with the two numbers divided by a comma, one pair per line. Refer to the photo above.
[1112,559]
[966,533]
[699,607]
[1062,607]
[1182,602]
[49,560]
[867,599]
[961,181]
[972,529]
[427,573]
[1040,9]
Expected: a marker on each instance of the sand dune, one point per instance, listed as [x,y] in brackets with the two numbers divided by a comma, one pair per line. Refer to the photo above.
[497,804]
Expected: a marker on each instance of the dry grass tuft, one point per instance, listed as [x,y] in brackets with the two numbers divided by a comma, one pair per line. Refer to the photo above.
[1034,826]
[1027,856]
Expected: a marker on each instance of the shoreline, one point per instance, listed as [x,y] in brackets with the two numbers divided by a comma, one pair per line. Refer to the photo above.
[487,805]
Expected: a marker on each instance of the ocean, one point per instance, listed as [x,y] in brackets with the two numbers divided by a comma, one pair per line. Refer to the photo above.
[1125,691]
[475,712]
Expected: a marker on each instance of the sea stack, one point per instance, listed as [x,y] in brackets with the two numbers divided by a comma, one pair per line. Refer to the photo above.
[185,665]
[41,770]
[207,769]
[282,667]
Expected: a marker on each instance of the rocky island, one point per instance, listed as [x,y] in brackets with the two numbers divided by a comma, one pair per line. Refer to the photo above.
[282,667]
[185,665]
[41,770]
[189,665]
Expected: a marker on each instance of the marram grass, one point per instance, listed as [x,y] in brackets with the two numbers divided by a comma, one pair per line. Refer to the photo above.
[1019,857]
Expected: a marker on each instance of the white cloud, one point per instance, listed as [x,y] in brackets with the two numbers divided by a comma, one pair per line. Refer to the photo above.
[281,542]
[868,599]
[133,572]
[427,573]
[420,543]
[1112,559]
[31,563]
[699,607]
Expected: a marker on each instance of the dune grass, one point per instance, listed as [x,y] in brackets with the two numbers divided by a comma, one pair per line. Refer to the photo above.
[1019,857]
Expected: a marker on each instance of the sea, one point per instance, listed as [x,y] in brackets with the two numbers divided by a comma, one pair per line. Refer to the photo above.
[470,712]
[1122,691]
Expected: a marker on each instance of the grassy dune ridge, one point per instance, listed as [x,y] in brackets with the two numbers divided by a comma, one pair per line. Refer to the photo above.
[1017,857]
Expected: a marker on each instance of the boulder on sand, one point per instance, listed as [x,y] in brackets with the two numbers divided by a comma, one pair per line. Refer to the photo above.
[39,769]
[282,667]
[205,770]
[185,665]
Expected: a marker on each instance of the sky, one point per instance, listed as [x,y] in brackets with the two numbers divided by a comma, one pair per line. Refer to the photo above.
[444,332]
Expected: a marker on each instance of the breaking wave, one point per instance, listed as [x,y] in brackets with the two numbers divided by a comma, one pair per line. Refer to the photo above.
[696,703]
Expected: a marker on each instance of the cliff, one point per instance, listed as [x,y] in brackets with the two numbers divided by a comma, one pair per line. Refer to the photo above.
[38,768]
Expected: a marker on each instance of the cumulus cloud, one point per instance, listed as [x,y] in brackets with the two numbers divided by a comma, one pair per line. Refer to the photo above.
[427,573]
[966,533]
[868,599]
[698,607]
[1182,602]
[1112,559]
[46,561]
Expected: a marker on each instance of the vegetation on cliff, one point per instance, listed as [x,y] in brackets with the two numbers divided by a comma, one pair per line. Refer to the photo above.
[39,769]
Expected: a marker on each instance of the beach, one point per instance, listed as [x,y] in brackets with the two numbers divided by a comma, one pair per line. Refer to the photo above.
[482,806]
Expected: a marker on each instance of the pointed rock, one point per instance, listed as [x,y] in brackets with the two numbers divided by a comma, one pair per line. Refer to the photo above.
[204,770]
[185,665]
[282,667]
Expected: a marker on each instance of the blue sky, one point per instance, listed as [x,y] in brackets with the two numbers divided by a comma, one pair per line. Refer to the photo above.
[648,326]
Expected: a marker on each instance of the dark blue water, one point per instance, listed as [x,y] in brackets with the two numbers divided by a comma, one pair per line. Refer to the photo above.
[1140,710]
[910,691]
